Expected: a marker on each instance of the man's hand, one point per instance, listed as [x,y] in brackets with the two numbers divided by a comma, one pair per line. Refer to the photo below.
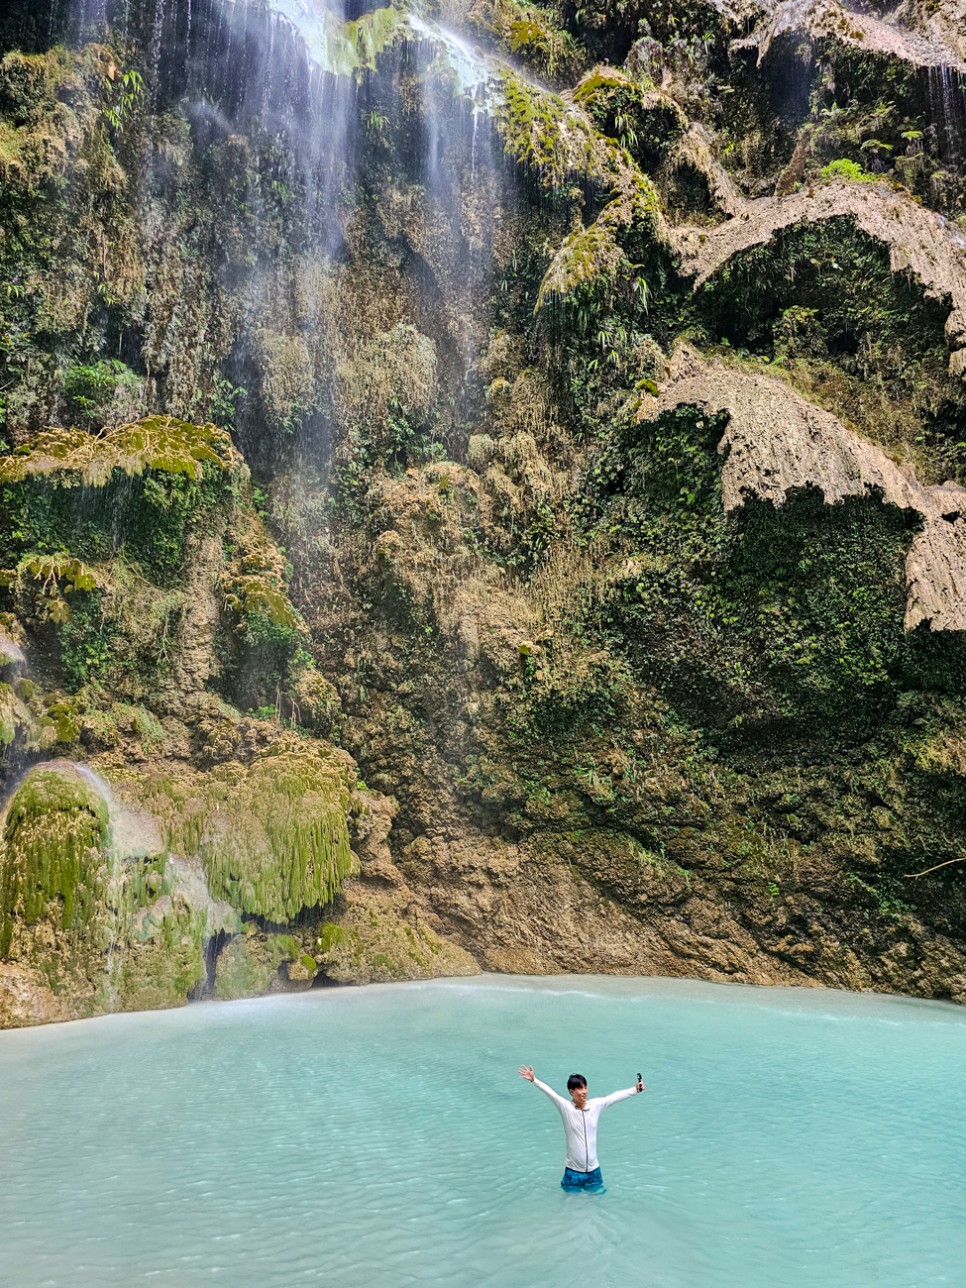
[526,1071]
[640,1085]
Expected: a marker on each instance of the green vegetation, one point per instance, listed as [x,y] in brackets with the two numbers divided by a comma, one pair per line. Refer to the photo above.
[528,32]
[91,389]
[473,553]
[875,325]
[52,865]
[281,844]
[843,168]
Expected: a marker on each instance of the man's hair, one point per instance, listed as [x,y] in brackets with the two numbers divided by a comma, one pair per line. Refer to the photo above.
[576,1080]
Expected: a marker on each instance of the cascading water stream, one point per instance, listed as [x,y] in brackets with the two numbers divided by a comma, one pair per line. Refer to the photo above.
[285,106]
[947,99]
[113,921]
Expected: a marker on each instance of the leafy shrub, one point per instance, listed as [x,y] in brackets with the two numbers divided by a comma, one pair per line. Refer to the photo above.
[843,168]
[94,391]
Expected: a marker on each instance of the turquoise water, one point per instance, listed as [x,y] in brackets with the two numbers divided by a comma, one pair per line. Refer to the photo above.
[382,1137]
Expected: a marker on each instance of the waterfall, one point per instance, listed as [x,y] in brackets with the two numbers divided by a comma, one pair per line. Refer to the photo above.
[113,919]
[947,101]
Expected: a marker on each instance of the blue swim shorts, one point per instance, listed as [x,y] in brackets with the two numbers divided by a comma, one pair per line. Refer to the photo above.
[573,1181]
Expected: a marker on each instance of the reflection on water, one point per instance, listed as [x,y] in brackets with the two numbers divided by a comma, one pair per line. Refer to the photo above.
[382,1137]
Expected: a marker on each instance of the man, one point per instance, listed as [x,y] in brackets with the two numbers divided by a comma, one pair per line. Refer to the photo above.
[580,1116]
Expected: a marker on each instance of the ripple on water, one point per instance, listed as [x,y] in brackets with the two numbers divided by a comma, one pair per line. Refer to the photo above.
[381,1137]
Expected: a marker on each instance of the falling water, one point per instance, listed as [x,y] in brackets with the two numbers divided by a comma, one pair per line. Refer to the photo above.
[947,101]
[112,922]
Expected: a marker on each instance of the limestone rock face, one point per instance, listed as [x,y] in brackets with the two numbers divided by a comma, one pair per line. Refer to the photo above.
[561,905]
[777,442]
[385,927]
[919,241]
[925,36]
[449,523]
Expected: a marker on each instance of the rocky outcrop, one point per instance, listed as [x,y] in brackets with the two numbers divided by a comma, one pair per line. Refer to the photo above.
[195,660]
[696,149]
[569,903]
[929,39]
[777,441]
[944,23]
[919,241]
[384,927]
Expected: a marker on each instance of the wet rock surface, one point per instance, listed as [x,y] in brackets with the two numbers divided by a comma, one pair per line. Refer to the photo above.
[454,523]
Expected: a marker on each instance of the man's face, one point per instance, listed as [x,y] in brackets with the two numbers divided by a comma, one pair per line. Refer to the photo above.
[579,1096]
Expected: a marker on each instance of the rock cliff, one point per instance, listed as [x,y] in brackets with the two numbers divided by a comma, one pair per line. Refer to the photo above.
[481,487]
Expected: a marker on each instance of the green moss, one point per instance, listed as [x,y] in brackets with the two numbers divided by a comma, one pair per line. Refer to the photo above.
[249,965]
[554,144]
[254,596]
[8,715]
[52,861]
[161,954]
[527,32]
[559,146]
[141,490]
[331,937]
[646,123]
[316,705]
[239,973]
[282,842]
[354,47]
[264,639]
[72,458]
[50,102]
[381,964]
[92,388]
[282,948]
[41,585]
[593,261]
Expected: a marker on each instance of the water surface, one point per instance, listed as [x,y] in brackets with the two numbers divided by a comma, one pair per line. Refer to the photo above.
[381,1137]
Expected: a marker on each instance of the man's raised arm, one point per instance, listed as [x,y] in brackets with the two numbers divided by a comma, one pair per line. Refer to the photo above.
[615,1096]
[526,1071]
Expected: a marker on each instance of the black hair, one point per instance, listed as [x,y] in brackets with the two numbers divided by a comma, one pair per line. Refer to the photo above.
[576,1080]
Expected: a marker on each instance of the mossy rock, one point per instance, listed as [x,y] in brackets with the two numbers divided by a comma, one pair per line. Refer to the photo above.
[74,458]
[49,103]
[594,260]
[645,121]
[140,491]
[52,861]
[249,965]
[526,32]
[163,970]
[316,704]
[552,142]
[281,842]
[13,715]
[371,943]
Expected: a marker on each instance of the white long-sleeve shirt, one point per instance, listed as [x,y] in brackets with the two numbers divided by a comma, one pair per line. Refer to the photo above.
[580,1125]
